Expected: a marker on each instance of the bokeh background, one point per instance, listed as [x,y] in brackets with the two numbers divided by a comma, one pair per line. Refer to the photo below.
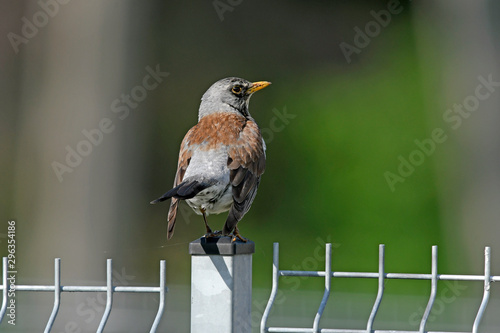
[343,111]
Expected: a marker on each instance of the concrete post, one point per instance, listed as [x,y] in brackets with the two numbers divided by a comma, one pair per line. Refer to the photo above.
[221,285]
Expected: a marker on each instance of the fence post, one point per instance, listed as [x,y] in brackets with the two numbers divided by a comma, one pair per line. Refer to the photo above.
[221,285]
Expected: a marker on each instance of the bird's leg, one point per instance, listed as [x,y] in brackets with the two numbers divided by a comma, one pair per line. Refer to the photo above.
[236,234]
[209,231]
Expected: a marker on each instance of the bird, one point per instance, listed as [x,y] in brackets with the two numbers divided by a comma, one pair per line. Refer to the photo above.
[221,158]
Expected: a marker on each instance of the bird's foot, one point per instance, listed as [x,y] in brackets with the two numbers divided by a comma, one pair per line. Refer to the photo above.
[213,234]
[236,235]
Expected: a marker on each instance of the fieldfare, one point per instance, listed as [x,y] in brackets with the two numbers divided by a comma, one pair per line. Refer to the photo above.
[221,158]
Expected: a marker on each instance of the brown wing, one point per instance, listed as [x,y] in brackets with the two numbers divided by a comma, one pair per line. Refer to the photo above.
[246,162]
[184,159]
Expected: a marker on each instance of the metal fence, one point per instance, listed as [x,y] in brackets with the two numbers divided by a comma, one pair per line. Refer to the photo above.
[110,289]
[328,274]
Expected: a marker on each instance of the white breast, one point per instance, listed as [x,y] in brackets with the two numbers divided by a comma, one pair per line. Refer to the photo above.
[210,165]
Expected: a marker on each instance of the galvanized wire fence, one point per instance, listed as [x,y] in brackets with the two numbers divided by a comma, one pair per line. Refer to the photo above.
[110,289]
[328,274]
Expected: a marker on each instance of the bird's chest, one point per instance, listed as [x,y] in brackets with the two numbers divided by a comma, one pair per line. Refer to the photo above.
[209,164]
[213,200]
[209,143]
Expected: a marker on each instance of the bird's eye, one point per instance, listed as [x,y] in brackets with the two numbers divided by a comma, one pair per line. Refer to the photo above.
[236,89]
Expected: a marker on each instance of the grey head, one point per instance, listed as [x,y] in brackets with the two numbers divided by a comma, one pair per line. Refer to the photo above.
[231,94]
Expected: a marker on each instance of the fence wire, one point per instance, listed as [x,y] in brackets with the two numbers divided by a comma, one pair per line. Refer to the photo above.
[109,289]
[328,274]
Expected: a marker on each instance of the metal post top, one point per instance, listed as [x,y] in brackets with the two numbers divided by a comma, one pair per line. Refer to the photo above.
[220,246]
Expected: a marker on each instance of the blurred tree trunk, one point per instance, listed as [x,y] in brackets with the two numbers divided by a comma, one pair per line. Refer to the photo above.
[468,165]
[71,75]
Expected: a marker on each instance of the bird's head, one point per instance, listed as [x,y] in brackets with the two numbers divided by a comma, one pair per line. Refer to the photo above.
[231,94]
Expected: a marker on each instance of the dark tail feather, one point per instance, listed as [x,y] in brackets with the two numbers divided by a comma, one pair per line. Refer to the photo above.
[172,214]
[189,190]
[185,190]
[231,222]
[235,215]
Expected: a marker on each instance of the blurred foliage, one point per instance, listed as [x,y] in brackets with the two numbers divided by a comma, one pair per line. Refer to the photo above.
[326,169]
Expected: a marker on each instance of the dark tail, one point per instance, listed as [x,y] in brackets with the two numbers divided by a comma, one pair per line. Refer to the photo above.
[171,217]
[185,190]
[235,215]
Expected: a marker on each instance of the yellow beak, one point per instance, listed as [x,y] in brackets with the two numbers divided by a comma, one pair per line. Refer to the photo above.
[257,86]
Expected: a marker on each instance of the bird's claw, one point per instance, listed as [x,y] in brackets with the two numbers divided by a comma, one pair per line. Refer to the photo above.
[213,234]
[236,235]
